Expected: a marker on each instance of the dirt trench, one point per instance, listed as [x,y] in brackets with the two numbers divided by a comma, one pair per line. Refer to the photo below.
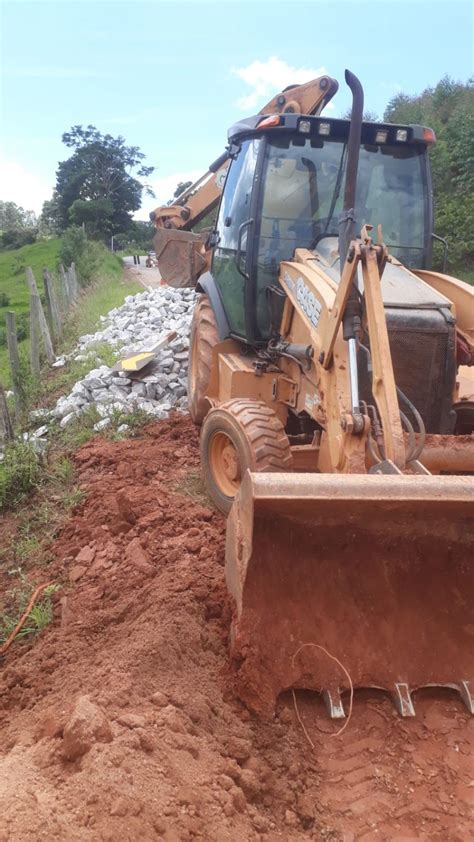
[121,722]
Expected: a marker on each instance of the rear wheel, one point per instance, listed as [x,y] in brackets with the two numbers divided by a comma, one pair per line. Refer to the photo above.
[204,335]
[236,436]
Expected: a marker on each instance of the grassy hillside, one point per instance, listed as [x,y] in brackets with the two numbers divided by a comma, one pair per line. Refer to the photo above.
[107,291]
[12,272]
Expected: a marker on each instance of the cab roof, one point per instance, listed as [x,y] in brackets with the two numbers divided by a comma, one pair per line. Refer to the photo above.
[327,128]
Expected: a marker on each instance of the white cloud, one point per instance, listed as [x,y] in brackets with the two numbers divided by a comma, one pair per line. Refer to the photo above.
[266,78]
[164,188]
[23,187]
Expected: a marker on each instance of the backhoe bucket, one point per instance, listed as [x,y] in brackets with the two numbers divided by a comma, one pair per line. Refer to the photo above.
[179,257]
[376,570]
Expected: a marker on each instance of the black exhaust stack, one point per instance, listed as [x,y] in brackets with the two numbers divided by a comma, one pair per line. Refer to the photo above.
[347,221]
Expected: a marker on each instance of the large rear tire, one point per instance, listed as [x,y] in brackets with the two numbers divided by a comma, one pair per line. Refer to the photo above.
[204,335]
[236,436]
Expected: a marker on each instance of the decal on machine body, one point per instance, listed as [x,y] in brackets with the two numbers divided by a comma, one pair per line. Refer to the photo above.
[306,299]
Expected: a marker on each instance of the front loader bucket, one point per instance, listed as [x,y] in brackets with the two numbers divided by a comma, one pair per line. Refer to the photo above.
[376,569]
[179,257]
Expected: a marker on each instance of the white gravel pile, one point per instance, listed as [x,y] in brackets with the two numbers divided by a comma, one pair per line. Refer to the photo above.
[136,326]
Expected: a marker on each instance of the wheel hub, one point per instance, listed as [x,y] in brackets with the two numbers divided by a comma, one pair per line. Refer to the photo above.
[224,462]
[230,463]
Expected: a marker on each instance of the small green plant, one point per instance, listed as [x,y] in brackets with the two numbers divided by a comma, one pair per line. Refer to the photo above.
[40,616]
[4,299]
[88,255]
[18,264]
[192,485]
[72,497]
[26,546]
[135,420]
[80,430]
[20,472]
[63,471]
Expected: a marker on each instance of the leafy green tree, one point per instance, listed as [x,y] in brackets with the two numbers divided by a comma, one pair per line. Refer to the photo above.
[50,217]
[448,108]
[96,214]
[15,218]
[181,187]
[367,116]
[18,227]
[101,184]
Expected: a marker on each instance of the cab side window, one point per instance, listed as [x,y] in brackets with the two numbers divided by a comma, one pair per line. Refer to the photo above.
[234,210]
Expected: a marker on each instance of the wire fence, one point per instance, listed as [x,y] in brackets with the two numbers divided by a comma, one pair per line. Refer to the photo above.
[46,327]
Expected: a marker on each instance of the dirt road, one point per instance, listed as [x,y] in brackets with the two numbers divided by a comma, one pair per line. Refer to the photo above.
[139,272]
[121,722]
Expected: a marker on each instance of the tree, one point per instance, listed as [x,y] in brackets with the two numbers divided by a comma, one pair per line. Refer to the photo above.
[15,218]
[181,187]
[448,108]
[367,116]
[50,217]
[18,227]
[96,185]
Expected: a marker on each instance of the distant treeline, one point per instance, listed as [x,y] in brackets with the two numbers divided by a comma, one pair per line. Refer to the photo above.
[449,110]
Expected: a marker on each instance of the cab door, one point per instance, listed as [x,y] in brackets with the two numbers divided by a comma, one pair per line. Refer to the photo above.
[233,236]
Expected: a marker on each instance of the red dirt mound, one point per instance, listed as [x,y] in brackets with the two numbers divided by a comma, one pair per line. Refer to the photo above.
[120,721]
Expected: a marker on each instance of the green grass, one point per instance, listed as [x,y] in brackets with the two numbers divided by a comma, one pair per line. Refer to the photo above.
[108,291]
[40,616]
[13,266]
[192,485]
[20,473]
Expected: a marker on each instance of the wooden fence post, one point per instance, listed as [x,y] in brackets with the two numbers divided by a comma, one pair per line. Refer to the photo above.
[52,304]
[42,319]
[5,420]
[66,293]
[72,278]
[14,358]
[70,283]
[34,336]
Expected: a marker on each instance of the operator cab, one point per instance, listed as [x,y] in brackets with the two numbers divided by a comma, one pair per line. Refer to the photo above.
[284,190]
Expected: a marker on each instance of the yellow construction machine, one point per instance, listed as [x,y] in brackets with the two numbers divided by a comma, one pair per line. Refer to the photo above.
[331,372]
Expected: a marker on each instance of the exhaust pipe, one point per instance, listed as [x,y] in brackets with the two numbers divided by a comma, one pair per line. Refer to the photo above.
[347,217]
[347,229]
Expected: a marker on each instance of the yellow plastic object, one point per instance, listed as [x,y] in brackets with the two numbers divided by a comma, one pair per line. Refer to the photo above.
[136,362]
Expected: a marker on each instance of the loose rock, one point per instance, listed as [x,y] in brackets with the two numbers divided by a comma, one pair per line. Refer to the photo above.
[86,725]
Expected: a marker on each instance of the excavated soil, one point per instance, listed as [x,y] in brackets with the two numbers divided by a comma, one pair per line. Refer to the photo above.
[121,722]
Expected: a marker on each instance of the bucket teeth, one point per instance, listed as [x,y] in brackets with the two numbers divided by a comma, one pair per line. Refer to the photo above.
[467,695]
[332,700]
[402,698]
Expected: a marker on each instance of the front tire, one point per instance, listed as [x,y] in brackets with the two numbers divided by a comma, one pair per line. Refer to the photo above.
[204,335]
[236,436]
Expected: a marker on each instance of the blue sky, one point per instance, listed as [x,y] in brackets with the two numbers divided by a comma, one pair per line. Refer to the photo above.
[172,76]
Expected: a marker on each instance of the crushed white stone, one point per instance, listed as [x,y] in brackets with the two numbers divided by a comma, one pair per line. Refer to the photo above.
[136,326]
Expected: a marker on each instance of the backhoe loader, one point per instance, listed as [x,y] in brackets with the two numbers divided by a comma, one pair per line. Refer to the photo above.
[331,374]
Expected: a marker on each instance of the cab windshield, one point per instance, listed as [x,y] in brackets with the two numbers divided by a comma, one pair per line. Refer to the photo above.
[302,197]
[303,192]
[296,204]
